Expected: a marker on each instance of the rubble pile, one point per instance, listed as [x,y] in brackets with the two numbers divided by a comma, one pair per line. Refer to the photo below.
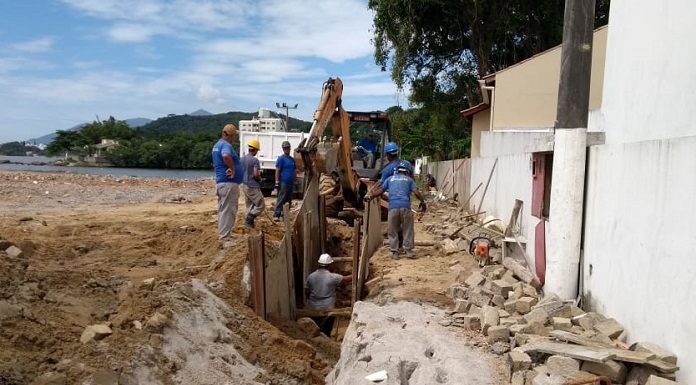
[551,341]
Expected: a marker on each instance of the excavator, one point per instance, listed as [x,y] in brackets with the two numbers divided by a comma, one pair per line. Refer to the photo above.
[337,154]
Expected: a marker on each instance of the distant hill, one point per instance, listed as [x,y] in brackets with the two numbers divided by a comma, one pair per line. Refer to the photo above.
[46,139]
[200,113]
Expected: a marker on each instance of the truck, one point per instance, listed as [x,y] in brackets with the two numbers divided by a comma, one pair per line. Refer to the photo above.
[271,133]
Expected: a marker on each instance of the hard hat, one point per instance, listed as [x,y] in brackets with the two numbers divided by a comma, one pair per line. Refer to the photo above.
[286,144]
[403,166]
[325,259]
[391,147]
[254,143]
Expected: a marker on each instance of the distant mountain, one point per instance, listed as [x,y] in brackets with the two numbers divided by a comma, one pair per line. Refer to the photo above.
[200,113]
[46,139]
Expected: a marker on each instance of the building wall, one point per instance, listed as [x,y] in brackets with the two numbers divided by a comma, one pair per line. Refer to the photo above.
[526,94]
[650,86]
[639,248]
[481,122]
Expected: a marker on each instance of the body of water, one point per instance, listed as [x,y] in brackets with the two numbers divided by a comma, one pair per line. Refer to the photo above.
[23,163]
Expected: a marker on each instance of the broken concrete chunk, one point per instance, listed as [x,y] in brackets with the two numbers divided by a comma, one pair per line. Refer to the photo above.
[538,315]
[517,328]
[524,305]
[498,301]
[517,361]
[472,322]
[560,323]
[609,327]
[480,299]
[157,321]
[148,283]
[562,365]
[14,252]
[575,311]
[510,306]
[518,378]
[498,334]
[501,287]
[95,332]
[461,306]
[508,321]
[536,328]
[457,292]
[655,380]
[503,314]
[614,370]
[554,308]
[489,318]
[659,352]
[137,325]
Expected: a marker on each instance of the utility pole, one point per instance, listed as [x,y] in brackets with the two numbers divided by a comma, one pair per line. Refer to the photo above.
[570,150]
[287,114]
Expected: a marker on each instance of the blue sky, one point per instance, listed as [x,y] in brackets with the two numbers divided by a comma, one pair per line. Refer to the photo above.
[63,62]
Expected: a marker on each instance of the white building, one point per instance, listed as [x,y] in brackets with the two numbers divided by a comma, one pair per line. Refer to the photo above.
[638,258]
[263,122]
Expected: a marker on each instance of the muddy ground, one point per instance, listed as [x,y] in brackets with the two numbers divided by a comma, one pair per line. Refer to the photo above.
[142,257]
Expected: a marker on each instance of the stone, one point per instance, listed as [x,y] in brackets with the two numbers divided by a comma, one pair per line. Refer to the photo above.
[518,378]
[14,252]
[529,291]
[536,328]
[538,315]
[50,378]
[138,325]
[509,277]
[148,284]
[549,379]
[498,301]
[157,321]
[562,365]
[95,332]
[308,327]
[659,352]
[510,306]
[517,328]
[105,377]
[560,323]
[472,322]
[576,311]
[489,318]
[500,348]
[461,306]
[517,361]
[554,308]
[498,334]
[655,380]
[501,287]
[503,314]
[480,299]
[614,370]
[475,310]
[609,327]
[524,304]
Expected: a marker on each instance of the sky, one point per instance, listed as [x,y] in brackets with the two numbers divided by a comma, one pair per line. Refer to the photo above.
[65,62]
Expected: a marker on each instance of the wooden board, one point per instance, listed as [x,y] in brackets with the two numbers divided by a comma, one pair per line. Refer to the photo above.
[372,239]
[339,312]
[584,353]
[661,366]
[276,282]
[289,264]
[256,262]
[355,258]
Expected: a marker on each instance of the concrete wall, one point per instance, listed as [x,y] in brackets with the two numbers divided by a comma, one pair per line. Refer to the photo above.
[640,248]
[650,87]
[452,177]
[480,122]
[526,94]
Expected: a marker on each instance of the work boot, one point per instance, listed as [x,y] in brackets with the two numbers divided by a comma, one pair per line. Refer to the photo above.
[394,255]
[410,254]
[249,222]
[276,219]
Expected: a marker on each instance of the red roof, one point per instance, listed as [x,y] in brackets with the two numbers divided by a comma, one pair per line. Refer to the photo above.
[471,111]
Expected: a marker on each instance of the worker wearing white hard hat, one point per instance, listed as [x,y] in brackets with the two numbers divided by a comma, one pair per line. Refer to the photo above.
[320,289]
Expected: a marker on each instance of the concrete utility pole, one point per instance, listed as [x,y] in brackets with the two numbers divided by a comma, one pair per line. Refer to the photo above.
[570,149]
[287,116]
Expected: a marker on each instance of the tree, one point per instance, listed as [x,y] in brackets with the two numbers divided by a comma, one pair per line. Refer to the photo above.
[67,141]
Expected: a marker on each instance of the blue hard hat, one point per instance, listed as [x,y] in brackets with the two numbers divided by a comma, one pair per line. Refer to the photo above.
[391,147]
[403,166]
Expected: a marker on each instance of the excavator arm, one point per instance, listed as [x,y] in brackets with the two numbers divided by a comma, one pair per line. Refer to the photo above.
[330,109]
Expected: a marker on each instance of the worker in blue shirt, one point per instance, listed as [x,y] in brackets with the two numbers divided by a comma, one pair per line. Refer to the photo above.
[400,217]
[228,176]
[284,179]
[392,151]
[367,148]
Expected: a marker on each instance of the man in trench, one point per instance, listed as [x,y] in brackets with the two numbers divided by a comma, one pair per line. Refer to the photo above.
[250,185]
[320,290]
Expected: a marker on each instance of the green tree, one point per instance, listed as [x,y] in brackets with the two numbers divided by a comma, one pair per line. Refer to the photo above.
[67,141]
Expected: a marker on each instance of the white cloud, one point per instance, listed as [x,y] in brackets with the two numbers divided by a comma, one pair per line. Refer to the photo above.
[131,33]
[35,46]
[208,93]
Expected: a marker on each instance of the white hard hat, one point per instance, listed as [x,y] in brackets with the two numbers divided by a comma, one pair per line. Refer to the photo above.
[325,259]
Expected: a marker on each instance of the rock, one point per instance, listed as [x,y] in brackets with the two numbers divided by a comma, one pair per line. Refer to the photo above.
[472,322]
[536,328]
[479,299]
[157,321]
[308,327]
[498,334]
[614,370]
[95,332]
[639,375]
[148,284]
[50,378]
[489,318]
[457,292]
[562,365]
[609,327]
[510,306]
[657,350]
[517,361]
[500,348]
[461,306]
[560,323]
[655,380]
[305,349]
[538,315]
[138,325]
[105,377]
[14,252]
[156,340]
[524,304]
[518,378]
[475,279]
[498,301]
[517,328]
[554,308]
[501,287]
[549,379]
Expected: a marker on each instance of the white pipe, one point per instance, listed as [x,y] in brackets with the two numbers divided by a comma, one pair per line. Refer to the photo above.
[490,102]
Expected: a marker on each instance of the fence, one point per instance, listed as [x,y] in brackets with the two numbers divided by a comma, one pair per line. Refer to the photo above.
[453,177]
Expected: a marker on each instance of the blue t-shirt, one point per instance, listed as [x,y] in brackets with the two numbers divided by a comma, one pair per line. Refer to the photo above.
[399,187]
[224,147]
[286,165]
[249,164]
[389,169]
[368,145]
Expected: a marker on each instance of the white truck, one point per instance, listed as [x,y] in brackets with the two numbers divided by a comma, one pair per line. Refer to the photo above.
[268,131]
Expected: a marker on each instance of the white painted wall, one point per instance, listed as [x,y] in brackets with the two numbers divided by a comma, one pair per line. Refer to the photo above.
[640,246]
[649,81]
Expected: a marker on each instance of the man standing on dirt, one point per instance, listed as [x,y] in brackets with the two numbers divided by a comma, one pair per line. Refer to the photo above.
[320,290]
[251,187]
[284,179]
[228,175]
[400,217]
[392,151]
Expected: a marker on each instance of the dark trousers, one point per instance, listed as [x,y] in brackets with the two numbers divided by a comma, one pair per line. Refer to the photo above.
[284,196]
[325,324]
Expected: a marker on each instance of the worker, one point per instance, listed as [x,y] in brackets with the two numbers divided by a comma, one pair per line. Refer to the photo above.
[429,183]
[392,151]
[367,148]
[251,187]
[400,217]
[284,179]
[320,289]
[228,175]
